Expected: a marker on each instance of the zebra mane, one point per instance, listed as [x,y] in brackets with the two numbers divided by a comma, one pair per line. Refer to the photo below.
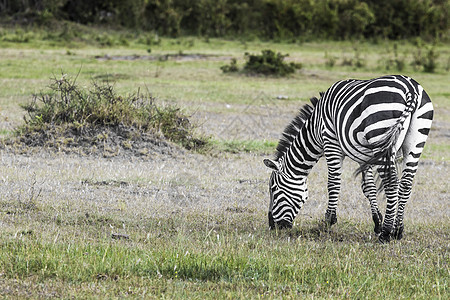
[292,130]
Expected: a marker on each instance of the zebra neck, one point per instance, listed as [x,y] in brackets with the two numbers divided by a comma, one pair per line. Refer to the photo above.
[303,153]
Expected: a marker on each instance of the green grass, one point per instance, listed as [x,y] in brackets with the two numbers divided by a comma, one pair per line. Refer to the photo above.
[57,224]
[193,81]
[70,107]
[237,261]
[437,152]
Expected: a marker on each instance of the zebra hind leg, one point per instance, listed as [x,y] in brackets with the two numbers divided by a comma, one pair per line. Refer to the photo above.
[404,193]
[412,149]
[370,191]
[410,163]
[389,179]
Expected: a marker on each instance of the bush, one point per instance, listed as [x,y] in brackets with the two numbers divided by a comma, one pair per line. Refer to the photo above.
[269,63]
[391,60]
[427,61]
[330,60]
[273,19]
[356,61]
[99,106]
[430,61]
[19,36]
[231,68]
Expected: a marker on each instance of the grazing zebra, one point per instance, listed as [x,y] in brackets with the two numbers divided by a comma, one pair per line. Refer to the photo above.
[371,121]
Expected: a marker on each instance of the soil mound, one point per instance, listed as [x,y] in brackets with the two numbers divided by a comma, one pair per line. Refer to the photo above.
[97,121]
[117,141]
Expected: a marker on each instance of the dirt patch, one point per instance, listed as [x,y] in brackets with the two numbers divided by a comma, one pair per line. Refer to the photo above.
[162,57]
[124,141]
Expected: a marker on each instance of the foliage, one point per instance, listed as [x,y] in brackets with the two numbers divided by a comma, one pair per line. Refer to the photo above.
[239,262]
[274,19]
[184,224]
[268,63]
[425,57]
[396,61]
[409,18]
[100,106]
[429,63]
[231,68]
[356,61]
[330,60]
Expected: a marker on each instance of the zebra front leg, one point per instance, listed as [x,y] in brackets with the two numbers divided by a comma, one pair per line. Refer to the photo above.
[389,179]
[370,191]
[334,188]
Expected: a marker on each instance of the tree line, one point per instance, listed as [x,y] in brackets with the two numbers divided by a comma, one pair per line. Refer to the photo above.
[271,19]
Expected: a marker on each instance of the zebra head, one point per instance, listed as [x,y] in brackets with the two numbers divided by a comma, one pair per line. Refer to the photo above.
[287,196]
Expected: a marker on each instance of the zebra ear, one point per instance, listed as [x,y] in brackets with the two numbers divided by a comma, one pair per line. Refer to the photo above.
[274,165]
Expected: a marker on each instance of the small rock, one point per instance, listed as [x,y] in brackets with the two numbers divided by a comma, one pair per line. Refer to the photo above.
[119,236]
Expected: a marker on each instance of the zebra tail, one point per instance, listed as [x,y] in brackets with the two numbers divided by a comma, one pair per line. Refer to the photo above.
[384,149]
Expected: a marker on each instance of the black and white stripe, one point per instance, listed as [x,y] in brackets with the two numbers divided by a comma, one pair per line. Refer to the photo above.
[372,122]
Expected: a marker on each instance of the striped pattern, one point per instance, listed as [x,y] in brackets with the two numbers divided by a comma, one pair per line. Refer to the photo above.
[372,122]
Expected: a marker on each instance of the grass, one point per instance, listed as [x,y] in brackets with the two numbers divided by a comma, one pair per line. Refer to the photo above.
[189,258]
[192,225]
[72,108]
[268,63]
[437,152]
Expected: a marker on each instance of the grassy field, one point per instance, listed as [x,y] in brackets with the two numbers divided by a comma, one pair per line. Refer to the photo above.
[193,225]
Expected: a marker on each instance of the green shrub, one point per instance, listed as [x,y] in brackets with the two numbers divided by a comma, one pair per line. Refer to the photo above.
[430,61]
[19,36]
[98,106]
[356,61]
[269,63]
[393,60]
[425,57]
[231,68]
[273,19]
[330,60]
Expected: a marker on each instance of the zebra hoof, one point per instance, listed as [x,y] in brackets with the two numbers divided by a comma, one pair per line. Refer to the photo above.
[330,218]
[378,221]
[398,233]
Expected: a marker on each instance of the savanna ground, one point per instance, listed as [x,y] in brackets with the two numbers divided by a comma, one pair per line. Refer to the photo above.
[175,223]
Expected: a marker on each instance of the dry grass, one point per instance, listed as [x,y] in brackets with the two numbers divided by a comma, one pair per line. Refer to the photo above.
[178,224]
[194,221]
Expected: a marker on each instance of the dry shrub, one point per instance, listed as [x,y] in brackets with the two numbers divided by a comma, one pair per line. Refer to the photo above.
[68,109]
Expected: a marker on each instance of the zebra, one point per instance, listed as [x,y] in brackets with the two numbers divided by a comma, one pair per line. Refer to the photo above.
[373,122]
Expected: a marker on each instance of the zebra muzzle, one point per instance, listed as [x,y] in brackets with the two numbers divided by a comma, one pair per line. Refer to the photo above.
[283,224]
